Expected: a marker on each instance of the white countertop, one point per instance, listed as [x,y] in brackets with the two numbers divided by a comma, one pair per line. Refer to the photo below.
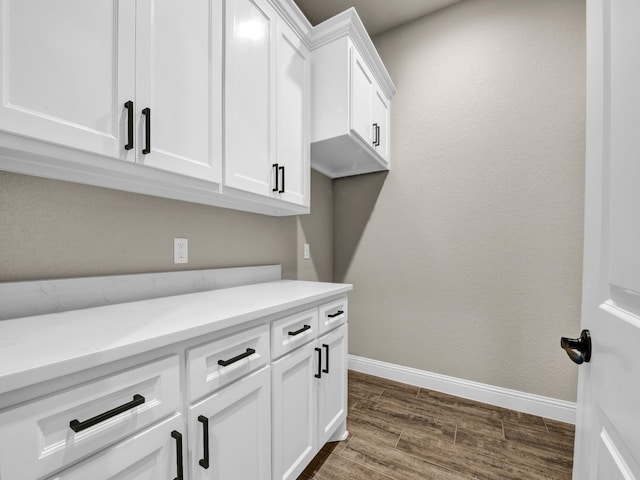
[38,348]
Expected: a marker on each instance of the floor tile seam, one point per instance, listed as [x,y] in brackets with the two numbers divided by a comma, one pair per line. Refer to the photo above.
[408,410]
[436,463]
[369,467]
[398,439]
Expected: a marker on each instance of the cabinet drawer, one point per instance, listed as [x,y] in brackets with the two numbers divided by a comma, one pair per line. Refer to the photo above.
[38,437]
[289,333]
[223,361]
[333,315]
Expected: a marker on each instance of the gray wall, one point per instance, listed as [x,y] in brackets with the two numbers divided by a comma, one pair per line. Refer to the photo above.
[466,257]
[53,229]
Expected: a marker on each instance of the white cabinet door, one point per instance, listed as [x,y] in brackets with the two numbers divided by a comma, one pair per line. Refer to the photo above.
[381,124]
[235,425]
[332,387]
[250,50]
[362,85]
[66,70]
[294,412]
[293,116]
[179,81]
[149,455]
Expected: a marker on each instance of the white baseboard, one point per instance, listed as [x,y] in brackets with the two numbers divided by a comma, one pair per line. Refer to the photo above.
[502,397]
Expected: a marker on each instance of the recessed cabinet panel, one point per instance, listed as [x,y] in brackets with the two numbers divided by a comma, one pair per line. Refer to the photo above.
[179,64]
[381,125]
[249,95]
[361,91]
[149,455]
[236,429]
[294,413]
[66,70]
[293,81]
[332,389]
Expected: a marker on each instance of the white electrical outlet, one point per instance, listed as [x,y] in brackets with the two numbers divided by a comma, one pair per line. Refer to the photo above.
[306,251]
[180,250]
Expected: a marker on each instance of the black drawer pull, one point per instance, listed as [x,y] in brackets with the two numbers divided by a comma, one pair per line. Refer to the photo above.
[298,332]
[78,426]
[319,374]
[180,469]
[204,462]
[334,315]
[147,130]
[326,349]
[129,106]
[224,363]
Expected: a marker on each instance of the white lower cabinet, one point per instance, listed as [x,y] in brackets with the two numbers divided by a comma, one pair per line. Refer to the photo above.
[254,403]
[230,431]
[154,454]
[309,402]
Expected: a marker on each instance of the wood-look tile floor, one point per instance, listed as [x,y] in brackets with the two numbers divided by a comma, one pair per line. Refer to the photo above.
[398,431]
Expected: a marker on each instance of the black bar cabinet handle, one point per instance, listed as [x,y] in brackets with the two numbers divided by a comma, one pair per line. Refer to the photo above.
[276,188]
[147,129]
[180,470]
[377,135]
[334,315]
[129,106]
[326,349]
[78,426]
[298,332]
[282,170]
[375,130]
[224,363]
[204,462]
[319,374]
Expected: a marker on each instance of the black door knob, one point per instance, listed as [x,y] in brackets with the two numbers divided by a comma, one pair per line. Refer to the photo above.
[574,345]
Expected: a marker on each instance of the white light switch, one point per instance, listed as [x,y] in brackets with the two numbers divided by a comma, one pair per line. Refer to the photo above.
[180,250]
[306,251]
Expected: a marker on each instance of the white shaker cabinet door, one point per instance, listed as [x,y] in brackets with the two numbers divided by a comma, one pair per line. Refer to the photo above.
[230,431]
[250,49]
[149,455]
[332,388]
[67,67]
[362,85]
[293,116]
[294,412]
[179,86]
[381,124]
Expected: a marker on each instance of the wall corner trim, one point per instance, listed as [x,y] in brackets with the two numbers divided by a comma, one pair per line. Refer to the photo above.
[502,397]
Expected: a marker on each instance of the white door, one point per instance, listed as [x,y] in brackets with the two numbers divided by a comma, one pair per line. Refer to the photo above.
[332,386]
[608,423]
[149,455]
[381,124]
[294,412]
[293,116]
[67,68]
[361,95]
[179,81]
[230,431]
[250,50]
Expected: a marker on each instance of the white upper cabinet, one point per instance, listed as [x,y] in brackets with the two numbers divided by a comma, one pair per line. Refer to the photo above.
[351,100]
[249,96]
[66,70]
[293,77]
[138,81]
[178,102]
[267,74]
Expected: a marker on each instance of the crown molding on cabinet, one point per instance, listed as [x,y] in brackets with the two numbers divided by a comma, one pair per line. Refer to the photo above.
[348,23]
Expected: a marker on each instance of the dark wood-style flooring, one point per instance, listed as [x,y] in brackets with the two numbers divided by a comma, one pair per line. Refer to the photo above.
[398,431]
